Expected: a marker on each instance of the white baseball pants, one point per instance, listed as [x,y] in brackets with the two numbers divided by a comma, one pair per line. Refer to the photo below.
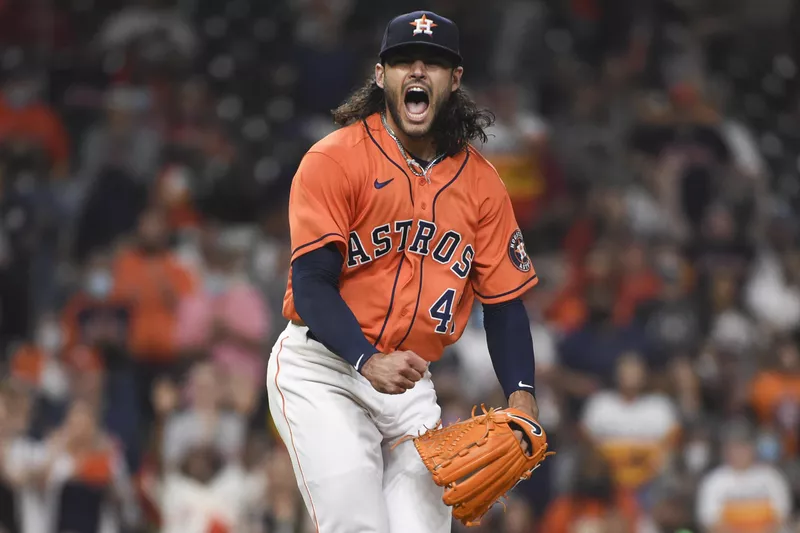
[339,431]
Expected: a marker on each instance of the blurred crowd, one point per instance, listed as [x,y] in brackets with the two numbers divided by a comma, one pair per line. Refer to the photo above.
[652,154]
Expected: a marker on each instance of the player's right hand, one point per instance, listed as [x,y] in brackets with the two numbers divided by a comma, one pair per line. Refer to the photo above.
[394,373]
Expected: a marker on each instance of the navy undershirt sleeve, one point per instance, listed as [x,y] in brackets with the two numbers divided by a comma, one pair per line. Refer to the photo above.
[315,287]
[508,337]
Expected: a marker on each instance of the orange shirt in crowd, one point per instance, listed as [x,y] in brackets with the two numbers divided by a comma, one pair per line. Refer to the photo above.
[524,179]
[27,364]
[579,240]
[36,123]
[772,391]
[633,291]
[152,285]
[569,310]
[565,514]
[94,467]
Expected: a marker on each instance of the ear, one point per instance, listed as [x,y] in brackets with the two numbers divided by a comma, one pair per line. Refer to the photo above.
[379,72]
[457,73]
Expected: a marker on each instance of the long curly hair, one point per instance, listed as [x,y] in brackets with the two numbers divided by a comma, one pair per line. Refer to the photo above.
[457,123]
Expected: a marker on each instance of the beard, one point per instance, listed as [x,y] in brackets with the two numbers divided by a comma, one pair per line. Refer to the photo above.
[395,101]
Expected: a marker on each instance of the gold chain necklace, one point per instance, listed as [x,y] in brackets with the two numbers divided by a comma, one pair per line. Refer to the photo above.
[412,163]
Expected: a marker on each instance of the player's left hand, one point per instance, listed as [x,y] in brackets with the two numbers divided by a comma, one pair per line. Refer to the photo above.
[525,402]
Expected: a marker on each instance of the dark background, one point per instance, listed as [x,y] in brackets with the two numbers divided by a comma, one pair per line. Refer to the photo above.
[652,152]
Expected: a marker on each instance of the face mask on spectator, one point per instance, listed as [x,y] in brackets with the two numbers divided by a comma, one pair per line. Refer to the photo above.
[216,284]
[696,455]
[49,337]
[768,448]
[99,283]
[53,383]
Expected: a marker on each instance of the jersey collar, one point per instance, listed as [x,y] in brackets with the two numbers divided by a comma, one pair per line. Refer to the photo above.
[449,165]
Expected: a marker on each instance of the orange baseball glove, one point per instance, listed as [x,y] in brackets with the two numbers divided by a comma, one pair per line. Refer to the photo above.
[479,460]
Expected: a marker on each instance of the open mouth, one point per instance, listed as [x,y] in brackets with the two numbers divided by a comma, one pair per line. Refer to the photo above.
[416,102]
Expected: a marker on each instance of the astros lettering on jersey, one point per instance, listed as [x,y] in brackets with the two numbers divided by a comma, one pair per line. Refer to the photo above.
[417,251]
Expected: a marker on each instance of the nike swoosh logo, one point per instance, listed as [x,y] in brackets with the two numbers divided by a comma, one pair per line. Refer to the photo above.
[521,384]
[358,363]
[382,184]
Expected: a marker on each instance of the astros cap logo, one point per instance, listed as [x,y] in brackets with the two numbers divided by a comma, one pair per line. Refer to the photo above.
[423,25]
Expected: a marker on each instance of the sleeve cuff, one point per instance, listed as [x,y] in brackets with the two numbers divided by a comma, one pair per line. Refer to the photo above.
[318,243]
[362,354]
[521,387]
[508,295]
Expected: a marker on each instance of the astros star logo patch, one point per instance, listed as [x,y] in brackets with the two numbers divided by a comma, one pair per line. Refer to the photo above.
[517,253]
[423,25]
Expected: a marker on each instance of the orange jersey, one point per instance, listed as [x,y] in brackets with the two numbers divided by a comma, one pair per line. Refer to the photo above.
[416,252]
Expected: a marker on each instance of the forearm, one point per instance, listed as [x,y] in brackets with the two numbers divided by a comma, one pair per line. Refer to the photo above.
[315,287]
[508,336]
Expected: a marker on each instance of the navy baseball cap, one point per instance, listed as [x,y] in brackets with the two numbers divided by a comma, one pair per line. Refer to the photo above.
[422,28]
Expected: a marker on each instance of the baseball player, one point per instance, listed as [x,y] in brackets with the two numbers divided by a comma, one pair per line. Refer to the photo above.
[397,224]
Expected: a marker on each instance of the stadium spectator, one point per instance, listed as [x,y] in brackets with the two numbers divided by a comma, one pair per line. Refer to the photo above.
[29,126]
[741,494]
[20,456]
[226,320]
[205,421]
[206,494]
[151,281]
[636,431]
[521,152]
[86,484]
[124,141]
[594,503]
[775,397]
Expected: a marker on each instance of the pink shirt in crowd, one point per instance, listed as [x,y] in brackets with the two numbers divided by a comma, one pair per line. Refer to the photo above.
[241,308]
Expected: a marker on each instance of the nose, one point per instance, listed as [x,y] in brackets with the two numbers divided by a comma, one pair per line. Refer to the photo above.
[418,69]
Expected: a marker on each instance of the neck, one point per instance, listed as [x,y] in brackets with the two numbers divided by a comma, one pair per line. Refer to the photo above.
[422,147]
[629,395]
[206,410]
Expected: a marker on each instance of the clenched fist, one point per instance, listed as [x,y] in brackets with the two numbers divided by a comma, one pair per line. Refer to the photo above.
[394,373]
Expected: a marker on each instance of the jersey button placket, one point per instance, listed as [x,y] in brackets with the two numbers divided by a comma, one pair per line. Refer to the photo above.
[421,196]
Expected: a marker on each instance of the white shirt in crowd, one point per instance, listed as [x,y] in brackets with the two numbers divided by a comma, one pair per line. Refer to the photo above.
[636,436]
[188,506]
[755,499]
[21,456]
[38,509]
[769,297]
